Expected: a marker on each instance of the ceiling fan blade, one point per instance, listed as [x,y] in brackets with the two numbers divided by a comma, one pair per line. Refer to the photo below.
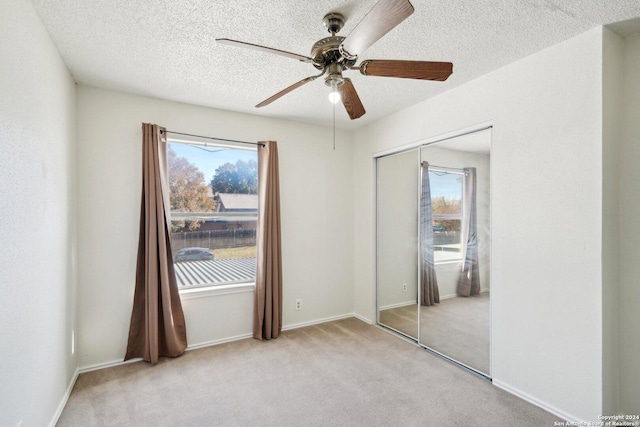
[265,49]
[351,100]
[286,91]
[422,70]
[384,16]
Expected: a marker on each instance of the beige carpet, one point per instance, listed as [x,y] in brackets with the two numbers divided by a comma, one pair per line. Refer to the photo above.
[342,373]
[457,327]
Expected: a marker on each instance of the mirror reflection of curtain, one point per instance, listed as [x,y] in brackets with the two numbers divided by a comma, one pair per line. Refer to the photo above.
[469,283]
[428,279]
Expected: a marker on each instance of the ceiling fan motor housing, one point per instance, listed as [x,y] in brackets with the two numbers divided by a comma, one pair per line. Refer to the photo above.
[326,51]
[334,76]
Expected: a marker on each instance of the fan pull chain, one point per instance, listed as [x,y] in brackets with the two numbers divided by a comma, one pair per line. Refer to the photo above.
[334,127]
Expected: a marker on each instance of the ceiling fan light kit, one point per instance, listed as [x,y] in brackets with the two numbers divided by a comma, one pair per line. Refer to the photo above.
[334,97]
[334,55]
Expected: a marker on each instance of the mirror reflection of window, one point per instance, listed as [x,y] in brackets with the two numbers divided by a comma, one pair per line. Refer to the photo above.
[446,203]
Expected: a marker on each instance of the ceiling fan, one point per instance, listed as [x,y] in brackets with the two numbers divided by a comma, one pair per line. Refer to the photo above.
[335,54]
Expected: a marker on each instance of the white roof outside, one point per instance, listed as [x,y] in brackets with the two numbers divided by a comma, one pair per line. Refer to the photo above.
[242,202]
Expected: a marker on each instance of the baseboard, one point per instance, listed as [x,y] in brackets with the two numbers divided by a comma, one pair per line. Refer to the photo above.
[119,362]
[217,342]
[364,319]
[317,321]
[65,399]
[401,304]
[404,304]
[549,408]
[108,365]
[284,328]
[220,341]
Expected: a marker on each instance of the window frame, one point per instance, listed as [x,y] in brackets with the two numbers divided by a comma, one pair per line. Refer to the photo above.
[444,217]
[215,288]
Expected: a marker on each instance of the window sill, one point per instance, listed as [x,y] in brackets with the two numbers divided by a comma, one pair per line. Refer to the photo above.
[449,262]
[208,291]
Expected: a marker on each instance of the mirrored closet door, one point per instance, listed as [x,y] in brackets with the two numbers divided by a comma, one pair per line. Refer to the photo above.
[448,310]
[397,241]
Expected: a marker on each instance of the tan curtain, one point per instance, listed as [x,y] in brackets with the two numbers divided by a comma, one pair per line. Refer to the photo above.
[267,319]
[429,293]
[469,284]
[157,321]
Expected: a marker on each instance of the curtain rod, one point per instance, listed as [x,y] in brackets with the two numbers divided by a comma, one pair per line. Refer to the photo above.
[211,137]
[445,168]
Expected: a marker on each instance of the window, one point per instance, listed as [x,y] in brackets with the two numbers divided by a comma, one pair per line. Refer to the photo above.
[446,203]
[214,213]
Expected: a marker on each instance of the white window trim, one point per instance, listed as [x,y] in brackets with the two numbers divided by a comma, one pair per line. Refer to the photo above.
[206,291]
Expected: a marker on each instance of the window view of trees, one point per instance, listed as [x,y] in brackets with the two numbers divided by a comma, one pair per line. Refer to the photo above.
[238,178]
[442,206]
[188,190]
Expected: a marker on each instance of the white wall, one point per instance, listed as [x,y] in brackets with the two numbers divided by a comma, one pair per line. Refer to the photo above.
[38,208]
[629,231]
[612,83]
[317,206]
[546,166]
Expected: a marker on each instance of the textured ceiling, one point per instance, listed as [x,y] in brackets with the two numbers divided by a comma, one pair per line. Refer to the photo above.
[166,48]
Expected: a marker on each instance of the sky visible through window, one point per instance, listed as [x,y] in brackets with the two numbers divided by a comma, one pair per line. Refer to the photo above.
[447,185]
[207,161]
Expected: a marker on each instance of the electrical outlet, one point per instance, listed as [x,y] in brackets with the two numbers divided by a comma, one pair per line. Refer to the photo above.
[404,287]
[298,304]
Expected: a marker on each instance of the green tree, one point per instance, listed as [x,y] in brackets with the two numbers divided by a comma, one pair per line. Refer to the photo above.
[442,205]
[241,178]
[188,191]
